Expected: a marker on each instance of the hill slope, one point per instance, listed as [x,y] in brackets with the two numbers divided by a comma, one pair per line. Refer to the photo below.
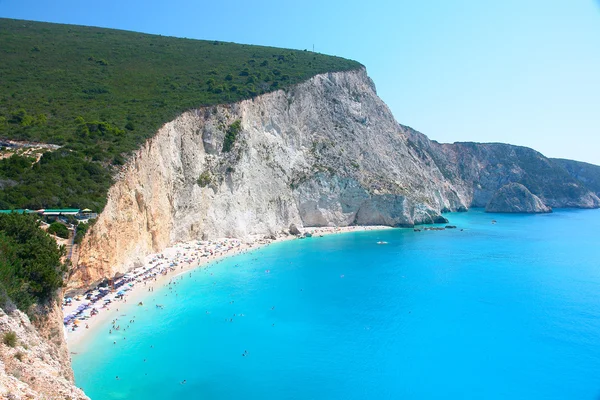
[328,152]
[101,92]
[480,169]
[588,174]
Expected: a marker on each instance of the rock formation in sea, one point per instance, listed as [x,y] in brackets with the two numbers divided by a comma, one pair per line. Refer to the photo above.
[516,198]
[327,152]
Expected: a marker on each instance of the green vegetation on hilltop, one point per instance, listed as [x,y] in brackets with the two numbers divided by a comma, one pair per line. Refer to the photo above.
[61,179]
[31,270]
[100,93]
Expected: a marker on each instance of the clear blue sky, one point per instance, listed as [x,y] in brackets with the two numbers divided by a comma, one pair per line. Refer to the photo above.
[524,72]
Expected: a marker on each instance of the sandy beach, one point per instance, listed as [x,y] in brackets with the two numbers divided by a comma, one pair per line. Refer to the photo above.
[159,269]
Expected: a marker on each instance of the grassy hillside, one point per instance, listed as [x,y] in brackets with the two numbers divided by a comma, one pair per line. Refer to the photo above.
[100,93]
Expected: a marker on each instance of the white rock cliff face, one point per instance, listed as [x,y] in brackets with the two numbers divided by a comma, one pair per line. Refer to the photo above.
[326,153]
[38,365]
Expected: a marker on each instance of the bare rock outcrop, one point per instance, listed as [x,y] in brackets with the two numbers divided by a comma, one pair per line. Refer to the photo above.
[34,361]
[294,230]
[516,198]
[585,173]
[327,152]
[478,170]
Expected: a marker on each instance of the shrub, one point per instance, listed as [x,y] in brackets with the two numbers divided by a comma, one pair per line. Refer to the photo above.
[31,270]
[82,229]
[21,117]
[231,135]
[118,160]
[19,355]
[58,229]
[10,339]
[205,179]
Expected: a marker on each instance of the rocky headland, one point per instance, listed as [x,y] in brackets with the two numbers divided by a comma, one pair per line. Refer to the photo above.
[516,198]
[327,152]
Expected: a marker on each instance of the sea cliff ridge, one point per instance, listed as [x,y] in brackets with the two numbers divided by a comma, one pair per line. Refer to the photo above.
[324,152]
[327,152]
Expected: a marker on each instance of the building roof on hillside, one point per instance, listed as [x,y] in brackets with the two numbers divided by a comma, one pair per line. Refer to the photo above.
[18,211]
[56,211]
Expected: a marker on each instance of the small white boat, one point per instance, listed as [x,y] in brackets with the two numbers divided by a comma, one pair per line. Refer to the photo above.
[382,242]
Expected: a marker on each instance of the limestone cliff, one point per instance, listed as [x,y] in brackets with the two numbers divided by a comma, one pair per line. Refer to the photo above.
[36,365]
[478,170]
[326,152]
[516,198]
[586,173]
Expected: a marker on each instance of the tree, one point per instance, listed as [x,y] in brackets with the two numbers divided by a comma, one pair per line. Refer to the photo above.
[31,270]
[58,229]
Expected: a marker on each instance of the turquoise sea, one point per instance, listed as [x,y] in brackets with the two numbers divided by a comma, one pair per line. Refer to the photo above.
[487,311]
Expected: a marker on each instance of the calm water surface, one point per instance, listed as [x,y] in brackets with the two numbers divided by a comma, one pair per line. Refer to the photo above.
[495,311]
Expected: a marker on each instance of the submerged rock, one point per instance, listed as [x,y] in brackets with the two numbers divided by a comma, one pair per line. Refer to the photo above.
[516,198]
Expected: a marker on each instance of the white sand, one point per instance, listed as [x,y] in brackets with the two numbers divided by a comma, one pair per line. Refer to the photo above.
[185,256]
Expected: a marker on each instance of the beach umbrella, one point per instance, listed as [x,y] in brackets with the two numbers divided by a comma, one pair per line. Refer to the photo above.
[120,292]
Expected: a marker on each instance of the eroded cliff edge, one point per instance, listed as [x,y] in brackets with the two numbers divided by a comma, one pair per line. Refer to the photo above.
[327,152]
[37,364]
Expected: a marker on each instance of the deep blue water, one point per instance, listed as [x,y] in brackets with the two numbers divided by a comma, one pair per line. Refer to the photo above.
[496,311]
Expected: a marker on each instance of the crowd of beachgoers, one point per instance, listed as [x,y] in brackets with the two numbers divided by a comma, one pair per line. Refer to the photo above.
[81,312]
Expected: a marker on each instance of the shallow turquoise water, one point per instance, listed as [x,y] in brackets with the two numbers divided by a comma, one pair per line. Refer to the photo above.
[496,311]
